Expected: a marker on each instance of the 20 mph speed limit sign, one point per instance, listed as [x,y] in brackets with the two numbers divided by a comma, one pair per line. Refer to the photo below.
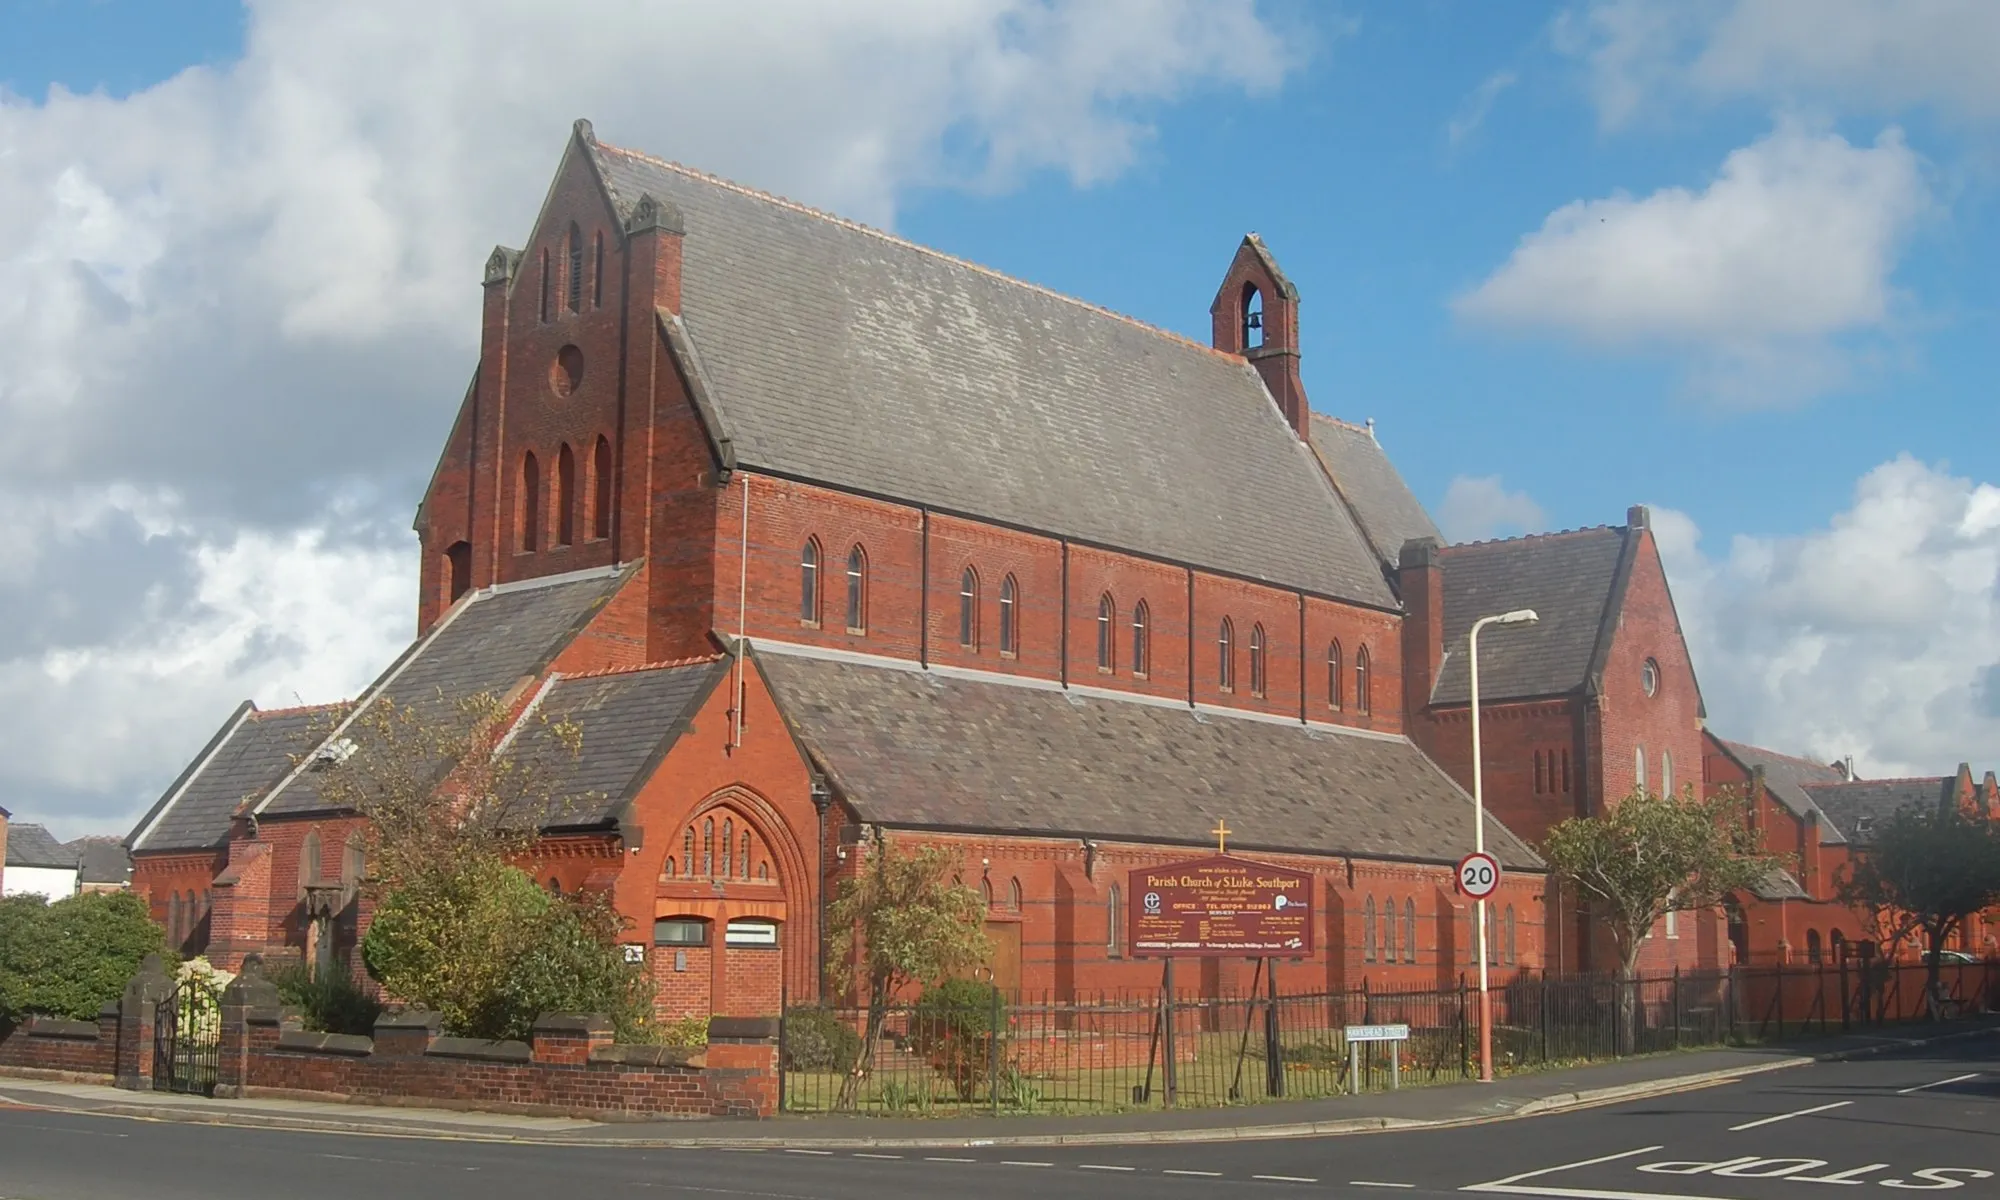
[1478,875]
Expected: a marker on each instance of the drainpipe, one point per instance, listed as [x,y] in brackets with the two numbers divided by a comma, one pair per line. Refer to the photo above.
[821,798]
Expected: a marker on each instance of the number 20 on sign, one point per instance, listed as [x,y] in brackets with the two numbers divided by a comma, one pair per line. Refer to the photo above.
[1478,875]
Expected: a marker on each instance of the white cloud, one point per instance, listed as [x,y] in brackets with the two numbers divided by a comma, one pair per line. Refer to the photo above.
[1755,277]
[1846,55]
[1472,114]
[1876,636]
[1478,507]
[239,308]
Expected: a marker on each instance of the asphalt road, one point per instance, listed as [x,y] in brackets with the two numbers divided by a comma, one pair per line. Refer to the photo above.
[1927,1121]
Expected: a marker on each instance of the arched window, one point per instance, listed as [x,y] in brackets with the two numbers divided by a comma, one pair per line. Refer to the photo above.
[543,311]
[458,570]
[597,272]
[528,518]
[1368,931]
[565,496]
[743,856]
[968,609]
[857,590]
[1507,940]
[1639,768]
[1014,895]
[1389,931]
[708,847]
[687,850]
[1812,946]
[1409,931]
[1257,660]
[555,886]
[1334,686]
[1225,659]
[575,268]
[728,844]
[1253,317]
[1836,945]
[763,872]
[1010,640]
[1666,772]
[176,931]
[1363,702]
[809,582]
[1107,616]
[1114,922]
[1142,640]
[986,892]
[600,489]
[673,868]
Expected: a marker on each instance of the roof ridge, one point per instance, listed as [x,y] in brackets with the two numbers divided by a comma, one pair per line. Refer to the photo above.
[1529,537]
[1800,759]
[1889,779]
[1341,422]
[258,714]
[857,226]
[663,664]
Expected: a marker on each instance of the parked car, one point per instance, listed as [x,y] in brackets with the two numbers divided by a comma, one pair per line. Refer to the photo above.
[1951,958]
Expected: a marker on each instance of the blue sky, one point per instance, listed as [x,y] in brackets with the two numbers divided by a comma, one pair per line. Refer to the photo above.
[1731,258]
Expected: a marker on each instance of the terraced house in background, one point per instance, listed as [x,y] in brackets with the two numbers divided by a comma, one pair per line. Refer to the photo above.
[818,534]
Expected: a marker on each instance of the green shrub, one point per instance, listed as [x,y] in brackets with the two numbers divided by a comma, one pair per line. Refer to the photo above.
[953,1030]
[332,1003]
[688,1031]
[71,958]
[816,1039]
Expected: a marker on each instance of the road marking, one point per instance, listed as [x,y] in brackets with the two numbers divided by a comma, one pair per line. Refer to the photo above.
[1096,1167]
[858,1154]
[822,1153]
[1511,1182]
[1008,1162]
[1377,1183]
[960,1160]
[1203,1174]
[1940,1083]
[1840,1176]
[1286,1178]
[1804,1112]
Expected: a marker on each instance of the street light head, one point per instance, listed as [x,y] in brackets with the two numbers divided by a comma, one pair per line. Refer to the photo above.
[1520,616]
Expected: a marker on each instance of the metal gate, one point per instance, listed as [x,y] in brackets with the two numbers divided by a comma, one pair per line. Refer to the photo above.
[187,1039]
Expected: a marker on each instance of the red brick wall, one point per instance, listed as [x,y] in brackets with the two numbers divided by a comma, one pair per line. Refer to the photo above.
[1667,722]
[46,1046]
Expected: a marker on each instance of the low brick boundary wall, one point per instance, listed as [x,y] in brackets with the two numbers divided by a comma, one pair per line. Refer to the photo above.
[53,1048]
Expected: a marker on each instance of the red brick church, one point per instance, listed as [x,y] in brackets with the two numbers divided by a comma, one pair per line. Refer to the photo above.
[821,536]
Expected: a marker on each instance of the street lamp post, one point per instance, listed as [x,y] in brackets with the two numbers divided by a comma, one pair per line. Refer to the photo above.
[1520,616]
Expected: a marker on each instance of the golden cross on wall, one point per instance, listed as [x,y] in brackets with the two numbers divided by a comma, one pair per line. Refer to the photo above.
[1221,833]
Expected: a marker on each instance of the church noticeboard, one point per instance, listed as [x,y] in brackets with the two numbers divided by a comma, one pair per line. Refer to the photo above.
[1222,905]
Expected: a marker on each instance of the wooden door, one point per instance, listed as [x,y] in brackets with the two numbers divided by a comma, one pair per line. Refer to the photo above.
[1005,938]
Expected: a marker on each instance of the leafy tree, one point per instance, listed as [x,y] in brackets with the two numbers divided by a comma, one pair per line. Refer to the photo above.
[954,1030]
[1650,854]
[1925,872]
[902,921]
[459,927]
[72,957]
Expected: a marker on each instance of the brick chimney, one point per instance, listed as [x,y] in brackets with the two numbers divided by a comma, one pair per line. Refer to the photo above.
[1420,577]
[1256,314]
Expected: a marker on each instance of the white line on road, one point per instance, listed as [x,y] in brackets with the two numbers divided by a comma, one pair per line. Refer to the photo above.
[1804,1112]
[1008,1162]
[1507,1184]
[821,1153]
[1287,1178]
[1096,1167]
[1940,1083]
[858,1154]
[1377,1183]
[1203,1174]
[960,1160]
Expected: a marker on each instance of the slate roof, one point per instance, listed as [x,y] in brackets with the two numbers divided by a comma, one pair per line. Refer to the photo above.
[1785,777]
[1858,808]
[626,720]
[250,753]
[495,640]
[1387,510]
[1779,884]
[35,846]
[1570,579]
[101,860]
[843,355]
[917,749]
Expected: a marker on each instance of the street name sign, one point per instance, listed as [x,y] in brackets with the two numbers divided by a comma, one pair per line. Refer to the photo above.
[1378,1033]
[1221,905]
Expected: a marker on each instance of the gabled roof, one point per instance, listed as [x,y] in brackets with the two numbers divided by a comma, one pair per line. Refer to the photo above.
[1572,580]
[845,356]
[1785,777]
[1383,505]
[245,758]
[920,749]
[625,722]
[1859,808]
[101,859]
[34,846]
[492,641]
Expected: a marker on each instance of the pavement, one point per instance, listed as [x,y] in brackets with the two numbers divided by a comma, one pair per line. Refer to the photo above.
[1411,1108]
[1906,1118]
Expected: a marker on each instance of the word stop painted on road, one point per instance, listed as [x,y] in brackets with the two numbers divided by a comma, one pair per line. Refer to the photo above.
[1220,905]
[1751,1166]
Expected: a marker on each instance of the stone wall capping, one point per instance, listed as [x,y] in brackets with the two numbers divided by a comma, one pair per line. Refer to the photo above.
[326,1043]
[577,1023]
[479,1048]
[58,1027]
[742,1029]
[414,1018]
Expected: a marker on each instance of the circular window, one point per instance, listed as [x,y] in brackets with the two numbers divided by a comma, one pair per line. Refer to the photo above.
[566,372]
[1649,677]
